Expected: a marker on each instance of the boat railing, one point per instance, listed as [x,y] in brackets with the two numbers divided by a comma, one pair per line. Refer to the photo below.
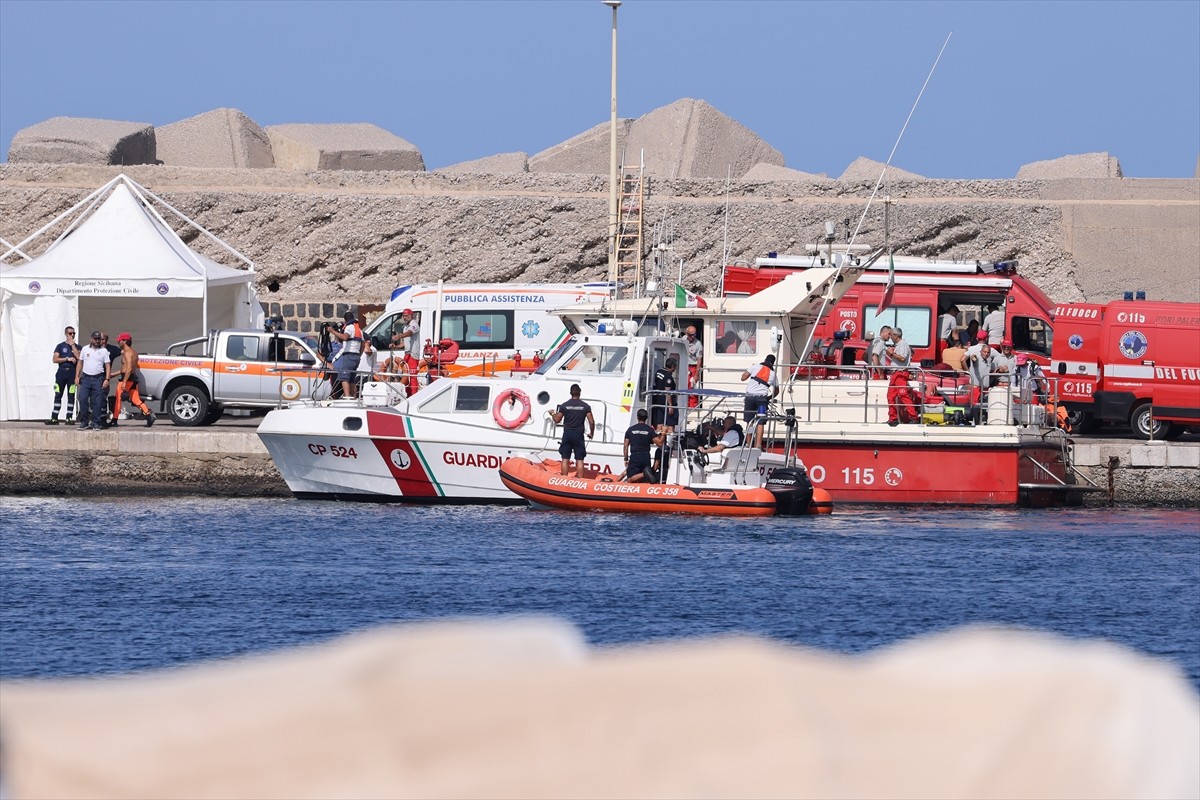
[859,394]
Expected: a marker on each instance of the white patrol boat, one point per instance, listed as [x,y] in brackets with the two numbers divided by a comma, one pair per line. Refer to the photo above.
[445,444]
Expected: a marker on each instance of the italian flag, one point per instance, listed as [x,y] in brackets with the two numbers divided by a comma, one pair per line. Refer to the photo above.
[686,299]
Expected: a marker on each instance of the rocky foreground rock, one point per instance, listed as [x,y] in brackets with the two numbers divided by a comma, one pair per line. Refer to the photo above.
[355,236]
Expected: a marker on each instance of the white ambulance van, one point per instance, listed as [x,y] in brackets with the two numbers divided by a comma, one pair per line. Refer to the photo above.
[491,327]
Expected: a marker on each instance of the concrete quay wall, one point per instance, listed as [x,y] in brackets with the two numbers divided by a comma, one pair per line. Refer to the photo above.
[170,461]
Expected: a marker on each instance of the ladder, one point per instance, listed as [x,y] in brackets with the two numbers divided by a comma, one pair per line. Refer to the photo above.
[630,230]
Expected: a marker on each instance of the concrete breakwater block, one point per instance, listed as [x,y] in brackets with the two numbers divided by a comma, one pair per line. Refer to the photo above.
[80,140]
[866,170]
[584,154]
[499,164]
[1086,165]
[353,146]
[522,707]
[691,139]
[222,138]
[774,172]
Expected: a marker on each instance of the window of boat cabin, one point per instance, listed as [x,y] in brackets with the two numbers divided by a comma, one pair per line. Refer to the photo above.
[736,336]
[242,348]
[471,398]
[915,321]
[596,359]
[442,401]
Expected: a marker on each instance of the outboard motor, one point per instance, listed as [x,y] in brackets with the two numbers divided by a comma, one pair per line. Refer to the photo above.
[792,489]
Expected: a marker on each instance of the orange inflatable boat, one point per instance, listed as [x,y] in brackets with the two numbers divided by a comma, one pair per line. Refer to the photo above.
[541,484]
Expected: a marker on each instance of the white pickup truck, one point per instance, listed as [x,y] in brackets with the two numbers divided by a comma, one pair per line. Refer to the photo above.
[199,378]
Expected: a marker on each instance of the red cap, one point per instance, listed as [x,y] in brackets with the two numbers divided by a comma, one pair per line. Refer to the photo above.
[1006,343]
[124,337]
[406,311]
[1022,358]
[981,336]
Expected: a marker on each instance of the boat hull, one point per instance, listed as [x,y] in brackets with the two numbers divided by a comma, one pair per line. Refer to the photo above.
[382,455]
[543,486]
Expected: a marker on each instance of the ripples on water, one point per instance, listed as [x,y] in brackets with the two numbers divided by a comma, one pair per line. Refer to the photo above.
[105,586]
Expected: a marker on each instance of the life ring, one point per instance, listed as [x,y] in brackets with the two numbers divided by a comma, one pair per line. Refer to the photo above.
[394,369]
[511,396]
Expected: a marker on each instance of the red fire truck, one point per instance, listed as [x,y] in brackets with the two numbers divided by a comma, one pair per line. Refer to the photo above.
[924,290]
[1129,361]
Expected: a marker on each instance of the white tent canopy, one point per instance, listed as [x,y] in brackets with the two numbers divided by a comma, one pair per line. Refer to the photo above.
[118,267]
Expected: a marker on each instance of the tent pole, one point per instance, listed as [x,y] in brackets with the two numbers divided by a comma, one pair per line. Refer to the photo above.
[197,226]
[59,218]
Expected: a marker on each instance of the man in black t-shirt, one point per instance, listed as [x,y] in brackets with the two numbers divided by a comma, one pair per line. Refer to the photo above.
[638,440]
[572,414]
[662,406]
[66,356]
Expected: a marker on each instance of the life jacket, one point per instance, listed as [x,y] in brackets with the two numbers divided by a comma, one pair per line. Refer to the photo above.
[355,343]
[762,374]
[741,434]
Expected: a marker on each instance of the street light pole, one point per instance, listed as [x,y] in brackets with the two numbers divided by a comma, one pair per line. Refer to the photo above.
[612,154]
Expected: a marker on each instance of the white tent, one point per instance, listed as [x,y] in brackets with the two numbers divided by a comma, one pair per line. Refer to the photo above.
[118,267]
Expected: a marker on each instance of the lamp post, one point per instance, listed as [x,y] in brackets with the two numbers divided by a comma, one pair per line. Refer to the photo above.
[612,154]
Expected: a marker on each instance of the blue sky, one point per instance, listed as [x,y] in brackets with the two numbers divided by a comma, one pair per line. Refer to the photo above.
[822,82]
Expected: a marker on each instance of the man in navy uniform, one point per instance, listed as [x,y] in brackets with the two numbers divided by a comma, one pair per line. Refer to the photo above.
[638,440]
[662,406]
[572,414]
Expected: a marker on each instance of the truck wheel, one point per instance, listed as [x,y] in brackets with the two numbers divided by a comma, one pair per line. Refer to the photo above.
[188,406]
[1082,422]
[1141,424]
[1176,431]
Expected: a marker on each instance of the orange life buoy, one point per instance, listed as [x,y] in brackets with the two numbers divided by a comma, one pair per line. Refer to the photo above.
[511,396]
[394,369]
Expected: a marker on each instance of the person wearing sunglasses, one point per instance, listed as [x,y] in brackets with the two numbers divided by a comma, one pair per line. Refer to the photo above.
[92,377]
[66,356]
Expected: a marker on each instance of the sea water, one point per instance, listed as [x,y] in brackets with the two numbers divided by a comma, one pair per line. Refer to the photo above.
[119,585]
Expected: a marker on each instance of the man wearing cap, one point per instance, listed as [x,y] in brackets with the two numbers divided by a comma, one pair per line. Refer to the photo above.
[92,376]
[66,356]
[127,381]
[1030,380]
[408,337]
[762,387]
[354,343]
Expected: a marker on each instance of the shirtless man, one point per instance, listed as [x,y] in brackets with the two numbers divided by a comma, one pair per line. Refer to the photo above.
[127,381]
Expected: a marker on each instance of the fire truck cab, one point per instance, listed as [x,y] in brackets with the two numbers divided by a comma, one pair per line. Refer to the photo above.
[924,290]
[1129,361]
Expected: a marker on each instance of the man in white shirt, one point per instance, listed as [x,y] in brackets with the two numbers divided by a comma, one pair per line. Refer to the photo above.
[980,368]
[947,327]
[993,323]
[92,376]
[877,353]
[899,354]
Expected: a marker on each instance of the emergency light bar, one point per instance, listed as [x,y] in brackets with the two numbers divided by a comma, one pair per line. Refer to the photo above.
[1003,267]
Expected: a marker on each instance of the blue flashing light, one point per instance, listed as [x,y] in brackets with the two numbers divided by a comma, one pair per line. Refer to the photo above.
[1141,295]
[1129,295]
